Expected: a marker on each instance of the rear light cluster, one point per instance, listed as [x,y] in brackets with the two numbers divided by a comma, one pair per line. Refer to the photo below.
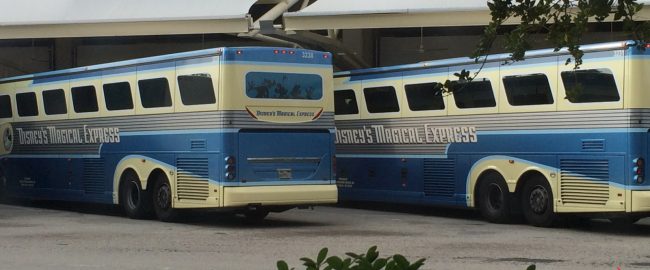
[639,170]
[230,167]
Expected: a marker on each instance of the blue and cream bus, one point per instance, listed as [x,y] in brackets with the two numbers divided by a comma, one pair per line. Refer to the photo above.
[248,129]
[534,137]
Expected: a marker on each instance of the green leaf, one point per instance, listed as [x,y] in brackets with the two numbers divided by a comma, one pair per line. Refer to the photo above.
[321,256]
[401,261]
[372,254]
[308,262]
[531,267]
[282,265]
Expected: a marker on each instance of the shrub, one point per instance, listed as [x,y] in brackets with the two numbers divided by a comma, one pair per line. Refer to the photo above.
[368,261]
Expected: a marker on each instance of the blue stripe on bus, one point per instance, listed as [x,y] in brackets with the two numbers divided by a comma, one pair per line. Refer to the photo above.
[563,131]
[388,156]
[276,183]
[175,132]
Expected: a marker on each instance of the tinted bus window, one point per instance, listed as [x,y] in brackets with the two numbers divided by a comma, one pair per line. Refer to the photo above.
[284,85]
[475,94]
[345,102]
[118,96]
[154,93]
[26,104]
[590,85]
[196,89]
[5,107]
[84,99]
[381,99]
[54,102]
[531,89]
[424,97]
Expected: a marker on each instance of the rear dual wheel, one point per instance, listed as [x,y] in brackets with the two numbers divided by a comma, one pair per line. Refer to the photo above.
[494,198]
[537,202]
[162,200]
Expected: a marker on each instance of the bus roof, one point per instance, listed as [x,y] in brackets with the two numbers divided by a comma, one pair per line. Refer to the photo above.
[145,60]
[490,58]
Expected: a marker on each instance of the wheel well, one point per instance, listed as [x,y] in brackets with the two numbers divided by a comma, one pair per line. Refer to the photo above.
[525,178]
[480,178]
[153,177]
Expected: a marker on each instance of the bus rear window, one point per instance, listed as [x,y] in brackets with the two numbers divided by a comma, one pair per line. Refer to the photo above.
[590,85]
[271,85]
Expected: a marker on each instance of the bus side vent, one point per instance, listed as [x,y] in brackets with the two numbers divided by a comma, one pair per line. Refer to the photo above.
[192,178]
[198,145]
[597,145]
[93,176]
[439,177]
[584,181]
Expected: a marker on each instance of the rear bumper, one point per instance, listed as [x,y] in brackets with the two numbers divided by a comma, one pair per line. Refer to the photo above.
[641,201]
[280,195]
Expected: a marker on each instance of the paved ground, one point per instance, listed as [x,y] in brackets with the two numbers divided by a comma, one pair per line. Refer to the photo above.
[60,236]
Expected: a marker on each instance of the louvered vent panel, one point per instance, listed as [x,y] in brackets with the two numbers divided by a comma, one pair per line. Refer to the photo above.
[584,181]
[439,177]
[593,145]
[93,176]
[192,178]
[197,145]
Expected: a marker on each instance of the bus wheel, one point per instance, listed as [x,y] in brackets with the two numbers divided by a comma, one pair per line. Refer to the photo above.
[162,200]
[537,202]
[3,188]
[494,198]
[135,201]
[256,215]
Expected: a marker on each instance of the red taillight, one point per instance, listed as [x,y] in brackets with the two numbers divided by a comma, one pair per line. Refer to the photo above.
[326,56]
[276,51]
[639,170]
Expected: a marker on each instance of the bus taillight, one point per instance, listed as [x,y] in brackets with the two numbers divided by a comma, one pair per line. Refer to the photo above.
[639,170]
[230,167]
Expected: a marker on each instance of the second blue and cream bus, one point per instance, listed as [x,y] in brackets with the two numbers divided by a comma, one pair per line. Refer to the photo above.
[535,137]
[249,129]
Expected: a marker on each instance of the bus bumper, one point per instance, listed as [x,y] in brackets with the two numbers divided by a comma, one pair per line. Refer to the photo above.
[641,201]
[280,195]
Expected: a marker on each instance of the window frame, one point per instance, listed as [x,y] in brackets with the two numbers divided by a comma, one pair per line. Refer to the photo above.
[489,72]
[595,60]
[206,65]
[38,115]
[165,70]
[395,82]
[429,78]
[546,66]
[95,82]
[65,99]
[11,107]
[127,75]
[355,101]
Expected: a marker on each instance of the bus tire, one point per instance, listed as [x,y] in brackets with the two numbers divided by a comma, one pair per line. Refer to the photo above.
[3,188]
[162,200]
[494,198]
[135,201]
[537,202]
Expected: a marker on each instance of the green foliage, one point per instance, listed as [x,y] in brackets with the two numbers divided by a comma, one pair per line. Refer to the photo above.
[368,261]
[563,21]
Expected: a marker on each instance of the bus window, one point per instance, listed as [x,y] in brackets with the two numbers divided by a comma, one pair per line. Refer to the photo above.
[54,102]
[118,96]
[5,107]
[590,85]
[154,93]
[84,99]
[284,85]
[475,94]
[26,104]
[345,102]
[196,89]
[530,89]
[381,99]
[424,97]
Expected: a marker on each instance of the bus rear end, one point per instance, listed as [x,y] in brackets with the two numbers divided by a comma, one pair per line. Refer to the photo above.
[278,108]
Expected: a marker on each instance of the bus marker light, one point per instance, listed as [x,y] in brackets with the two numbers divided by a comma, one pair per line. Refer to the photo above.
[284,51]
[292,52]
[276,51]
[239,52]
[326,56]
